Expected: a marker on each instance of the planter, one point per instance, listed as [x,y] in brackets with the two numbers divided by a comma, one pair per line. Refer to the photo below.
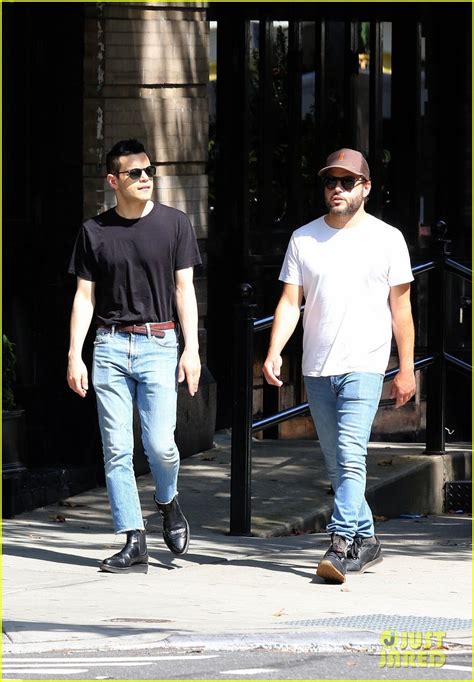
[13,441]
[13,457]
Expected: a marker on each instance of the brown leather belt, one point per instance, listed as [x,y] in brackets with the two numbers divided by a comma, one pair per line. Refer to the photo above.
[152,328]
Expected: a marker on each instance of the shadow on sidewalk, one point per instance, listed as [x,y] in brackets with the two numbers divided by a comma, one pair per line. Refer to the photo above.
[106,630]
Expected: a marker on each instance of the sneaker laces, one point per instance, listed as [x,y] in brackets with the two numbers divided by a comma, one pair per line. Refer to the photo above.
[339,547]
[354,549]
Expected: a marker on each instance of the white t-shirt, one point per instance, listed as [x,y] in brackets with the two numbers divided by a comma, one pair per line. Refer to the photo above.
[346,275]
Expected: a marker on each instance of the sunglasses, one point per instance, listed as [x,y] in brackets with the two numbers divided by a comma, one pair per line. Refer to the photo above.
[348,182]
[136,173]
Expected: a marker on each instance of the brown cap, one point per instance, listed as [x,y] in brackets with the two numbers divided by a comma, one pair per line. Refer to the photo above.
[348,159]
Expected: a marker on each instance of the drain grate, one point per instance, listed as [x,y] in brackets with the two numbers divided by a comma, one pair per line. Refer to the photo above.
[458,496]
[380,621]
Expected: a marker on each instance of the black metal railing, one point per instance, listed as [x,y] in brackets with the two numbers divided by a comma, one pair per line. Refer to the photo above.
[436,358]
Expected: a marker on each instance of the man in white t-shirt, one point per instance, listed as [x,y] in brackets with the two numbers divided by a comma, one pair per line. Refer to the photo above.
[354,273]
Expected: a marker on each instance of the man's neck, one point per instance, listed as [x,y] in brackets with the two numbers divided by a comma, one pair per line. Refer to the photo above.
[132,211]
[339,222]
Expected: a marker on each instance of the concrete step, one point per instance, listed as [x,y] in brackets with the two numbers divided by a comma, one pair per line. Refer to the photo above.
[289,485]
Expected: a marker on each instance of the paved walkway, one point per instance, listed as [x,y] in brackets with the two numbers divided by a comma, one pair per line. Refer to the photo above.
[236,592]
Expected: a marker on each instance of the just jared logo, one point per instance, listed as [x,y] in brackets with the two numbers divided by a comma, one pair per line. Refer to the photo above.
[410,649]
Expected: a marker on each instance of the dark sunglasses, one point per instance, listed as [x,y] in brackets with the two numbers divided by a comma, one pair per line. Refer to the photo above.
[136,173]
[348,182]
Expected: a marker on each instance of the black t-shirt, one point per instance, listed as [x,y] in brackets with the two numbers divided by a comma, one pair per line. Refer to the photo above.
[133,263]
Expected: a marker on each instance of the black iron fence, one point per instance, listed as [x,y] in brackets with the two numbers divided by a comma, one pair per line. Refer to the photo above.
[436,358]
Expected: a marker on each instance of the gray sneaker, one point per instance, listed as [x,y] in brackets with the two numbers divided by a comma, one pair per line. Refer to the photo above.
[332,566]
[363,553]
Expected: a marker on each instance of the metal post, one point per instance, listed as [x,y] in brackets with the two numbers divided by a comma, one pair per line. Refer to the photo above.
[436,374]
[376,115]
[242,387]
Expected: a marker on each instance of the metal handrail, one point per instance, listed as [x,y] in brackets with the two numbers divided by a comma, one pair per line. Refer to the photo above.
[423,267]
[266,322]
[458,268]
[279,417]
[303,408]
[457,362]
[419,364]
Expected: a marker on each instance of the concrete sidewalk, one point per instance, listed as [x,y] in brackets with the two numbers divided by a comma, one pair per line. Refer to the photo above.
[235,592]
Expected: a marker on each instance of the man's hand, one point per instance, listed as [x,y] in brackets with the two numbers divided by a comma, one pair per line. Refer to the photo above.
[189,368]
[77,377]
[404,384]
[82,311]
[286,318]
[272,369]
[403,387]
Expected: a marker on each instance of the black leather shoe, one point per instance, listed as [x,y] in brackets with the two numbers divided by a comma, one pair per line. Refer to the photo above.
[133,558]
[175,526]
[363,553]
[332,566]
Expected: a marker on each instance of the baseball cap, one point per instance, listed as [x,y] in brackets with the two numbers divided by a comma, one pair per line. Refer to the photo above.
[348,159]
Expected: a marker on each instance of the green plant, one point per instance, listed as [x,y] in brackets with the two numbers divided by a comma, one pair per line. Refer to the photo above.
[8,374]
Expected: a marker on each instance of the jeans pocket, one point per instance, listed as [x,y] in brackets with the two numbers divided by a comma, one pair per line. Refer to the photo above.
[169,340]
[102,337]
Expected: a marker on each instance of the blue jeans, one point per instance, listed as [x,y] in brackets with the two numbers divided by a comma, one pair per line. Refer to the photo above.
[343,408]
[128,369]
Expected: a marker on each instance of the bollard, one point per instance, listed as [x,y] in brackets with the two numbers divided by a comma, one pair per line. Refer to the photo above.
[436,374]
[242,388]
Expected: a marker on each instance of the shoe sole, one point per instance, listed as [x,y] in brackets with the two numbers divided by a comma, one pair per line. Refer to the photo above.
[134,568]
[377,560]
[329,572]
[186,546]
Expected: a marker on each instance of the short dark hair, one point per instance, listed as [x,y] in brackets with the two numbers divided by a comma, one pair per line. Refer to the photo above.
[122,148]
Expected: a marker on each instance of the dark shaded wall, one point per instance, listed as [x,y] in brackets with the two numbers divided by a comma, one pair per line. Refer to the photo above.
[42,203]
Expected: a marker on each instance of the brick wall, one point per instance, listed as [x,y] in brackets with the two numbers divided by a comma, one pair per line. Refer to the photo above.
[145,76]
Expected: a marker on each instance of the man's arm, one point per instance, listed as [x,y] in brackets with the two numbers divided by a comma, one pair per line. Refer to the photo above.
[404,385]
[189,367]
[82,311]
[287,314]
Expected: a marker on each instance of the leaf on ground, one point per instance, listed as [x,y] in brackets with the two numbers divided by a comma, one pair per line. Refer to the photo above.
[280,612]
[59,518]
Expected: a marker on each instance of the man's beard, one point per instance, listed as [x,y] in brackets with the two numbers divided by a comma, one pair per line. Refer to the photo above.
[346,208]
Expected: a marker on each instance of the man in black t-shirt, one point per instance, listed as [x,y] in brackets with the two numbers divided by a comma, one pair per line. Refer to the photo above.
[134,268]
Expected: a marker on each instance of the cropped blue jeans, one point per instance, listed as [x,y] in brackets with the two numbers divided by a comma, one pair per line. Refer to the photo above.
[136,369]
[343,408]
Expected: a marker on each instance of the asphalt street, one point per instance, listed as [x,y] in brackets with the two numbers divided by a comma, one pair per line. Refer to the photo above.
[256,664]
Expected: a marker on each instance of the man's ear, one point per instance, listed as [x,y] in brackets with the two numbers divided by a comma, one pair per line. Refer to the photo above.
[112,180]
[367,187]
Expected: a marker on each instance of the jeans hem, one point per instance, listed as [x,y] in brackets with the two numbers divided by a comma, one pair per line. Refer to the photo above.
[157,502]
[127,530]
